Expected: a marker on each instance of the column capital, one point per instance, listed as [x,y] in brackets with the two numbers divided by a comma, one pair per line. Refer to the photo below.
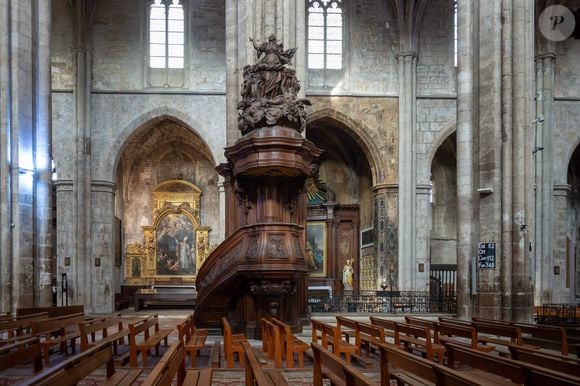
[407,56]
[385,189]
[549,57]
[103,186]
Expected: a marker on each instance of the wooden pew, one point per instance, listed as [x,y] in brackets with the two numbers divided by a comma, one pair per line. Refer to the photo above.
[72,370]
[564,364]
[544,336]
[489,333]
[57,331]
[273,343]
[418,338]
[53,312]
[292,345]
[420,322]
[193,338]
[519,372]
[171,364]
[17,353]
[339,372]
[150,339]
[113,329]
[232,345]
[413,370]
[388,326]
[370,336]
[330,336]
[19,327]
[255,374]
[459,334]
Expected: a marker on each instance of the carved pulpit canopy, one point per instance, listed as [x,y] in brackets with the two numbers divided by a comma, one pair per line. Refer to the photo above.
[270,89]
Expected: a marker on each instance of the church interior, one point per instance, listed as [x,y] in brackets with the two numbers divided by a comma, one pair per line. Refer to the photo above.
[434,136]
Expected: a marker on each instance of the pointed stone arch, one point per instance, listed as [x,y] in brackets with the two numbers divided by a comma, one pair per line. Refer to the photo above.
[146,121]
[359,133]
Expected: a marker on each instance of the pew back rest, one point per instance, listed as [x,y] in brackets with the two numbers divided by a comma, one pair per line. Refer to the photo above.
[21,352]
[71,371]
[389,327]
[398,359]
[90,327]
[46,326]
[372,331]
[171,364]
[53,312]
[511,332]
[483,361]
[420,322]
[185,328]
[455,330]
[336,369]
[254,373]
[143,326]
[15,327]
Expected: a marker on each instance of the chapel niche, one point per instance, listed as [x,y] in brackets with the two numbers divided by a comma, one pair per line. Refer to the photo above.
[175,245]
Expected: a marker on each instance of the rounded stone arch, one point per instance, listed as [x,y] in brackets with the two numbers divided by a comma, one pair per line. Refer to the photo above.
[358,132]
[146,121]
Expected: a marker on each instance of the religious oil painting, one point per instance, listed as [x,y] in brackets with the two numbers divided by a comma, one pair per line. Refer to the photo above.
[175,245]
[316,248]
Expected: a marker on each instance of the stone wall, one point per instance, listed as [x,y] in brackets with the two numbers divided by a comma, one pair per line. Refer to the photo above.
[435,69]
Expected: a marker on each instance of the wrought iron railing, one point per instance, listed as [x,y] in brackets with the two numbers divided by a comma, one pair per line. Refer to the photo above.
[387,301]
[561,315]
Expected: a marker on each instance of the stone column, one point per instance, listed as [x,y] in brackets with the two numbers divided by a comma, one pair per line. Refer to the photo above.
[65,247]
[465,169]
[232,76]
[423,235]
[543,151]
[407,169]
[5,171]
[521,301]
[43,210]
[101,264]
[80,266]
[386,232]
[25,207]
[559,270]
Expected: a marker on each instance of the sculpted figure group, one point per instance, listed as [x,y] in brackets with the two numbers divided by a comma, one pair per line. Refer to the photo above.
[270,89]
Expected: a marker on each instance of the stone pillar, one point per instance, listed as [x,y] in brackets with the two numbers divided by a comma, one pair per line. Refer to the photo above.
[232,77]
[407,169]
[521,302]
[5,171]
[44,203]
[423,236]
[465,169]
[386,233]
[25,203]
[543,151]
[101,264]
[561,277]
[65,247]
[80,261]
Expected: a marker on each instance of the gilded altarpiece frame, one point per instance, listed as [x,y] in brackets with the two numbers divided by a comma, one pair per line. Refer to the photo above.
[176,245]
